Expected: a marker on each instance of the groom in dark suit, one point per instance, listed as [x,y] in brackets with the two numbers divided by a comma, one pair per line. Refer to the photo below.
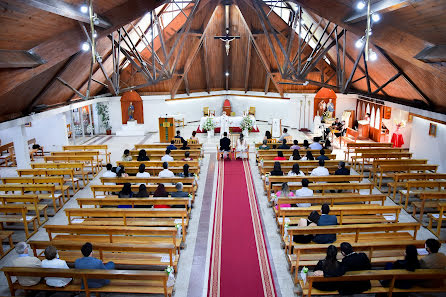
[326,220]
[225,145]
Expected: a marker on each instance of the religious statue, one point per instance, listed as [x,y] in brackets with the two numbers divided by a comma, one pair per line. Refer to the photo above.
[330,107]
[131,111]
[321,108]
[224,124]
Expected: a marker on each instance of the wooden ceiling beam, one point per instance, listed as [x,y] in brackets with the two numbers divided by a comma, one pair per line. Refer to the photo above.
[66,10]
[247,63]
[206,66]
[19,59]
[432,54]
[382,6]
[407,47]
[66,44]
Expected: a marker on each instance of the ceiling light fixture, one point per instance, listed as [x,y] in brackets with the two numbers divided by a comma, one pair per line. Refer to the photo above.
[376,17]
[360,5]
[85,46]
[372,55]
[227,73]
[84,8]
[359,43]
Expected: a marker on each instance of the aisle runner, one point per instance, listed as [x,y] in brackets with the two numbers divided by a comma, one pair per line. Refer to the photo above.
[239,259]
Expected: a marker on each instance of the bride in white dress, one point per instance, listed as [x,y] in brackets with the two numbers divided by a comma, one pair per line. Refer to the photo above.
[241,147]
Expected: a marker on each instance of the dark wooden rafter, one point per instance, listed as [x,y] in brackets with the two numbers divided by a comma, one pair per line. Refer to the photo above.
[206,66]
[346,87]
[64,9]
[393,78]
[61,80]
[186,84]
[247,63]
[407,78]
[267,80]
[19,59]
[367,77]
[36,99]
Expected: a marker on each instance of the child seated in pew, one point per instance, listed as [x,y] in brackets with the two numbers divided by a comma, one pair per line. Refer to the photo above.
[284,193]
[329,267]
[126,156]
[52,261]
[187,157]
[312,220]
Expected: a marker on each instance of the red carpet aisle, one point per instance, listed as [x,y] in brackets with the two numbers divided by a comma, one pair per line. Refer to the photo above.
[239,259]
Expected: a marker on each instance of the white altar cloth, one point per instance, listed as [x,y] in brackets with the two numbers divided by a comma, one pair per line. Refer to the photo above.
[233,121]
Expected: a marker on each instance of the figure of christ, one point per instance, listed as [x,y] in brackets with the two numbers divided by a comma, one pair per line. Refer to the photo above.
[131,111]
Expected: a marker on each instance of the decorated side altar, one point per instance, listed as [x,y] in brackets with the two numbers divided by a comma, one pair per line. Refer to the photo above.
[234,123]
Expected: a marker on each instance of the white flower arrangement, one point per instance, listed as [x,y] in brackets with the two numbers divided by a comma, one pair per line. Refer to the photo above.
[169,270]
[247,123]
[208,124]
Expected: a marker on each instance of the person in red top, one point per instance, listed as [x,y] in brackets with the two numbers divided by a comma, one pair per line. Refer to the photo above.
[279,156]
[161,192]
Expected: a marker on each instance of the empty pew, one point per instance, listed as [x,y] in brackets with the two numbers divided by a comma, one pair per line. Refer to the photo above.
[53,172]
[114,201]
[438,218]
[22,188]
[31,202]
[379,162]
[8,236]
[400,179]
[433,197]
[89,161]
[58,181]
[16,213]
[422,186]
[390,170]
[102,148]
[79,168]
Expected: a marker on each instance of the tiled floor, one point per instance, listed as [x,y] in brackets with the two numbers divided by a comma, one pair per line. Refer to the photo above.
[193,264]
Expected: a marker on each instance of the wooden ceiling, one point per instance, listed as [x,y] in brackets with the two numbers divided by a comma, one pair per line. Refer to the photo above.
[397,39]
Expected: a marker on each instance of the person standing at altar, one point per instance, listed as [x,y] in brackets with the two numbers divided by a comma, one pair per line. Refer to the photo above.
[224,124]
[241,147]
[225,145]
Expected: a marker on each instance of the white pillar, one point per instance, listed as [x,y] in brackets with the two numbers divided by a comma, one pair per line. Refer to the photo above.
[90,117]
[73,130]
[81,115]
[21,147]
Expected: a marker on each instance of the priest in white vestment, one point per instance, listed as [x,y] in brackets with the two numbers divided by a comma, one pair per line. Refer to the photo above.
[224,124]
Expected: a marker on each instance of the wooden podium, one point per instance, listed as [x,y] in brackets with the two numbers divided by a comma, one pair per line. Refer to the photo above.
[166,129]
[363,128]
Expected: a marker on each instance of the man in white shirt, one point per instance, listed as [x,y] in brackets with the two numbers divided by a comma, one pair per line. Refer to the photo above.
[142,171]
[52,261]
[284,134]
[167,157]
[315,145]
[166,172]
[320,170]
[109,173]
[304,192]
[25,260]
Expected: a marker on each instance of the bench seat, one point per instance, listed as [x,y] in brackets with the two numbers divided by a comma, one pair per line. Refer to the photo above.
[146,222]
[118,239]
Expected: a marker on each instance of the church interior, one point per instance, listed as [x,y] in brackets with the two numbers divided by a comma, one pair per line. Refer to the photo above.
[222,148]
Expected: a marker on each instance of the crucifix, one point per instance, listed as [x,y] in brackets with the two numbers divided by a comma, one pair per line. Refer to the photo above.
[227,38]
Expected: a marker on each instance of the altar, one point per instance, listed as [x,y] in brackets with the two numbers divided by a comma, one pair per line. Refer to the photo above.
[234,123]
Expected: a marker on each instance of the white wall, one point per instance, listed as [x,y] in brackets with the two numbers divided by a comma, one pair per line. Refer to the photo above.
[49,132]
[428,147]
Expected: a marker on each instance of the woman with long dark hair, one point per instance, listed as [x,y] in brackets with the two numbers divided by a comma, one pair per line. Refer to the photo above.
[161,192]
[295,171]
[142,156]
[280,156]
[312,220]
[329,267]
[295,156]
[409,263]
[308,156]
[306,144]
[268,135]
[277,171]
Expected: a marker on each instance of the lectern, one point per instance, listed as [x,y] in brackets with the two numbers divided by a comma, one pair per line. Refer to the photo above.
[363,128]
[166,129]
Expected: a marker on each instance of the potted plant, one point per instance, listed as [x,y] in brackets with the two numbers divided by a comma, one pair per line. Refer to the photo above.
[246,125]
[102,109]
[209,126]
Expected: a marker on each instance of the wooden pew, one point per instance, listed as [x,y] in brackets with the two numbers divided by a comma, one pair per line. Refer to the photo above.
[422,187]
[334,198]
[351,135]
[138,147]
[297,179]
[58,181]
[119,253]
[114,201]
[22,188]
[438,218]
[347,214]
[154,171]
[355,187]
[368,158]
[87,160]
[435,196]
[126,164]
[79,168]
[6,235]
[150,188]
[31,202]
[356,232]
[139,217]
[305,169]
[88,147]
[354,145]
[122,281]
[114,234]
[378,162]
[33,152]
[17,213]
[379,253]
[6,154]
[53,172]
[400,179]
[95,154]
[147,180]
[389,170]
[375,276]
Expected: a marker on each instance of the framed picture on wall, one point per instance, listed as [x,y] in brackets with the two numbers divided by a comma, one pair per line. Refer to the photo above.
[28,124]
[432,130]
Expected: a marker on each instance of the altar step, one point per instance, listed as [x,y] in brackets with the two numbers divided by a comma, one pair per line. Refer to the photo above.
[132,128]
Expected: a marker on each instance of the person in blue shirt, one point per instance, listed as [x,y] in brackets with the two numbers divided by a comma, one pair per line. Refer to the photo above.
[171,146]
[89,262]
[322,156]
